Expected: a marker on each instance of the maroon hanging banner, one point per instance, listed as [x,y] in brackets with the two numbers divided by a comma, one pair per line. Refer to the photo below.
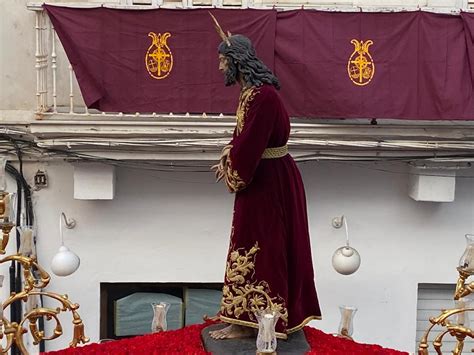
[407,65]
[156,60]
[468,20]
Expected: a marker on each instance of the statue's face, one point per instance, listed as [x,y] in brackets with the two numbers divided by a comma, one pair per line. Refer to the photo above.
[228,69]
[223,63]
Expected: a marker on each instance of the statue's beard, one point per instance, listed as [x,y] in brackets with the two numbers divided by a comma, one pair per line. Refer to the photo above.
[230,75]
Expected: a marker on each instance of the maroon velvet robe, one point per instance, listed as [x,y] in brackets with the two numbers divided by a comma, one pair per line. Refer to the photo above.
[269,262]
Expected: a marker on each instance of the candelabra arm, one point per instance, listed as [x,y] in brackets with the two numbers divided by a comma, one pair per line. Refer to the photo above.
[33,317]
[29,263]
[460,333]
[455,330]
[423,348]
[463,289]
[9,333]
[459,346]
[78,334]
[438,342]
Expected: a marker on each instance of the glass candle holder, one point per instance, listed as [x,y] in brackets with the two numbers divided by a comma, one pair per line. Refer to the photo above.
[159,323]
[26,240]
[266,338]
[346,327]
[466,263]
[462,318]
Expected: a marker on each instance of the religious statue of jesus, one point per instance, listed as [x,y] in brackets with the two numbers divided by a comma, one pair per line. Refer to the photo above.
[269,263]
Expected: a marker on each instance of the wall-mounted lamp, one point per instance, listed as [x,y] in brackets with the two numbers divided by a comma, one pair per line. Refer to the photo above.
[65,262]
[345,260]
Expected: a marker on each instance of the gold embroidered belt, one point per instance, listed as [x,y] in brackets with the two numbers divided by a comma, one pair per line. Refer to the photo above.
[276,152]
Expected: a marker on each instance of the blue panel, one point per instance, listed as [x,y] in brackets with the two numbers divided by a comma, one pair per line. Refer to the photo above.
[134,313]
[200,302]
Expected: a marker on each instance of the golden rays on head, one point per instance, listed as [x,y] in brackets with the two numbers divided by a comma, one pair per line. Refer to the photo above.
[220,32]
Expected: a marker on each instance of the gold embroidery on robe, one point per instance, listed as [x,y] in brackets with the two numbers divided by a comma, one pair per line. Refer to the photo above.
[246,97]
[241,294]
[232,179]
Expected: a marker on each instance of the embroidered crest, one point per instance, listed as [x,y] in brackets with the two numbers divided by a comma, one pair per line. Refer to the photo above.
[361,67]
[158,58]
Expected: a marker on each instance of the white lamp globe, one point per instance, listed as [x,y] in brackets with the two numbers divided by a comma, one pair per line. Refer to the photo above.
[65,262]
[346,260]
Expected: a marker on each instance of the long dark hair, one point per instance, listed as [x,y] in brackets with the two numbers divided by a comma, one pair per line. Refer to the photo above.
[242,59]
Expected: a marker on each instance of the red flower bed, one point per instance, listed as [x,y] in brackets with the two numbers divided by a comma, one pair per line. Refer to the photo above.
[182,341]
[188,341]
[326,344]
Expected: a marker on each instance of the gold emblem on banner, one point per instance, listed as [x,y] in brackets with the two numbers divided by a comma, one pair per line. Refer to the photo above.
[158,59]
[361,67]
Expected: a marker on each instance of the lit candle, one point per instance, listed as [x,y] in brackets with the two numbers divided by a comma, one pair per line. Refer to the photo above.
[26,243]
[267,329]
[159,318]
[346,317]
[461,316]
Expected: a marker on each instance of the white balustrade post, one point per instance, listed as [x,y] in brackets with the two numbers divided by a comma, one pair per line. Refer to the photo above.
[41,65]
[38,60]
[44,60]
[54,67]
[71,89]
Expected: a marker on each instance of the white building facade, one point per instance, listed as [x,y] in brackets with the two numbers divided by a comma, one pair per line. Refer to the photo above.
[159,217]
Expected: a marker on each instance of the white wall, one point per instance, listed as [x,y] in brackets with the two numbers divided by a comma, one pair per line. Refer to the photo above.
[17,56]
[175,226]
[402,243]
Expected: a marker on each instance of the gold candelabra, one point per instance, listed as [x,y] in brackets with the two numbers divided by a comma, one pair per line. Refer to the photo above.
[456,329]
[35,280]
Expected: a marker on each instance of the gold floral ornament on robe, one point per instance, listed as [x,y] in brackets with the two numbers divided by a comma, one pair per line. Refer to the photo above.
[245,295]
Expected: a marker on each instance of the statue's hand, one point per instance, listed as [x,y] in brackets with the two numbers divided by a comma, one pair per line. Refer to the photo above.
[220,175]
[219,171]
[226,151]
[221,167]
